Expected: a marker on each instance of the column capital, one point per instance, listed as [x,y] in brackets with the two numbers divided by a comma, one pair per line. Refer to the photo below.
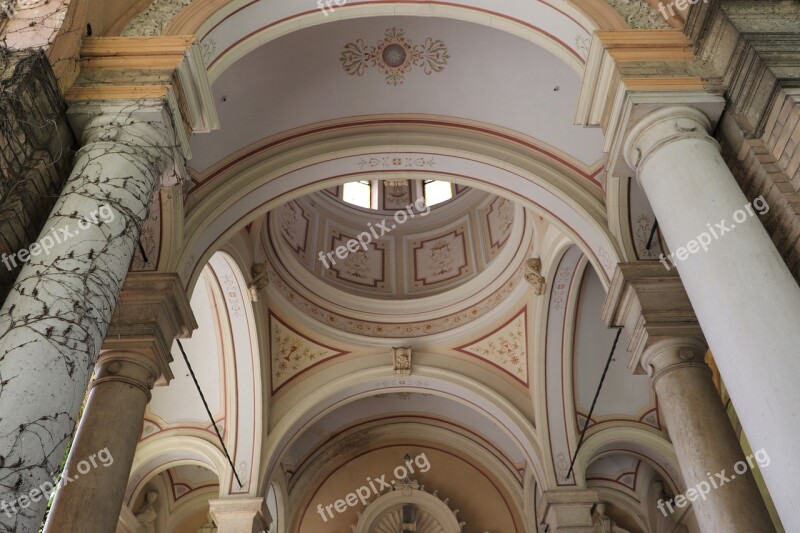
[644,121]
[158,79]
[651,303]
[143,122]
[661,127]
[667,355]
[568,510]
[620,87]
[131,368]
[152,311]
[240,515]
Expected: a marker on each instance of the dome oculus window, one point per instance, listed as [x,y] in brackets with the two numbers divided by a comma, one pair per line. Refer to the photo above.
[369,194]
[437,191]
[358,193]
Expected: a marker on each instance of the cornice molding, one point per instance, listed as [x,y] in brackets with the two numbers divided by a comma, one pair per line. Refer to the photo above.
[622,61]
[168,69]
[750,51]
[652,304]
[153,310]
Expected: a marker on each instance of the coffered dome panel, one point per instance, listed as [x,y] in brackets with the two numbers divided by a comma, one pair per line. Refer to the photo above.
[418,251]
[328,257]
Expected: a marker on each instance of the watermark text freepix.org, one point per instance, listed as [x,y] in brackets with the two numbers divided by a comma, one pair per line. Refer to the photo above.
[680,4]
[46,489]
[325,5]
[703,489]
[374,486]
[364,239]
[704,239]
[59,235]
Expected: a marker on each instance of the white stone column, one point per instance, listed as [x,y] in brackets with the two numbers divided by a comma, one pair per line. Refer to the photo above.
[240,515]
[704,441]
[666,342]
[745,298]
[56,316]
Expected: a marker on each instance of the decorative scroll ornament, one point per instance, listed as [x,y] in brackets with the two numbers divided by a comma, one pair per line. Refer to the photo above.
[394,56]
[534,275]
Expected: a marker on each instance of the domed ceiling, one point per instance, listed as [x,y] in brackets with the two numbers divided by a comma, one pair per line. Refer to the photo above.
[332,259]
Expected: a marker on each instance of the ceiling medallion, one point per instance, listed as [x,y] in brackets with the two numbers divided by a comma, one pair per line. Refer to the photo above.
[394,56]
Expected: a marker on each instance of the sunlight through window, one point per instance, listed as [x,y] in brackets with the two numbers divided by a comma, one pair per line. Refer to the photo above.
[358,193]
[437,192]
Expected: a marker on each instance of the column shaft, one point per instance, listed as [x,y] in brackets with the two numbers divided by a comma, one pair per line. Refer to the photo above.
[704,441]
[111,423]
[56,316]
[744,296]
[153,309]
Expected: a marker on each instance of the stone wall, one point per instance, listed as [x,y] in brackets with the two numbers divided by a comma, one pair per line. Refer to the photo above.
[759,173]
[751,52]
[36,148]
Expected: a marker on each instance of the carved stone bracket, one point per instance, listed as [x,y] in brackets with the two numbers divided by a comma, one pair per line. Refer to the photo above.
[401,360]
[533,273]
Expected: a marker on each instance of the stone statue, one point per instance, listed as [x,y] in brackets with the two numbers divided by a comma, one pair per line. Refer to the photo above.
[147,513]
[259,283]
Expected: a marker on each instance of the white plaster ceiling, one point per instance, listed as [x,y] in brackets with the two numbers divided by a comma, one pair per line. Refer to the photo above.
[180,402]
[556,25]
[618,468]
[408,405]
[490,76]
[194,475]
[624,395]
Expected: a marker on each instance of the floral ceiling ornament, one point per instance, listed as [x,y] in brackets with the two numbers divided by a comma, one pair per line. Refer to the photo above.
[394,56]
